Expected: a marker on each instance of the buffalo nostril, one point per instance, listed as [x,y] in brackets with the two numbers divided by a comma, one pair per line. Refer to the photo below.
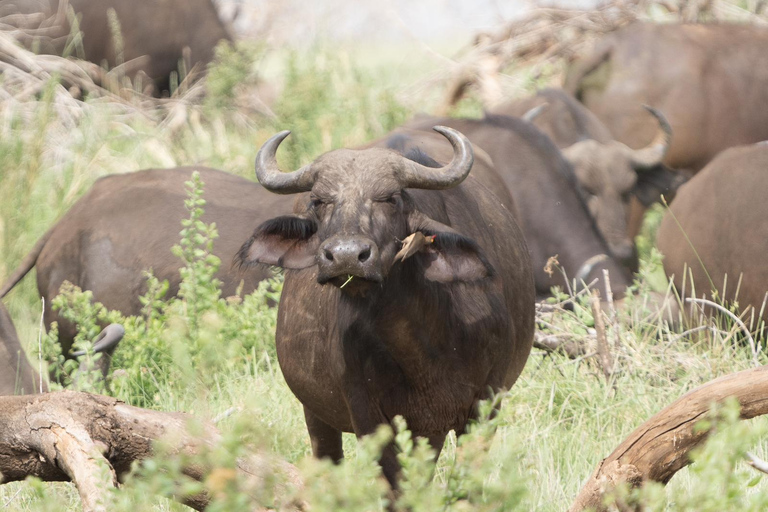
[363,256]
[328,255]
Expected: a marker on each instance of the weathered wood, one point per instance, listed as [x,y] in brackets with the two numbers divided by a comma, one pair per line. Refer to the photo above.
[77,455]
[92,440]
[565,343]
[659,448]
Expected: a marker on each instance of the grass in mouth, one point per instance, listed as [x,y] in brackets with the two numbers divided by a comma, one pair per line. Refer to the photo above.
[349,278]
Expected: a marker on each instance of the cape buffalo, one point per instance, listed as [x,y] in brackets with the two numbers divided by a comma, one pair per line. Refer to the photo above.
[711,82]
[609,174]
[367,329]
[718,227]
[153,36]
[127,223]
[553,216]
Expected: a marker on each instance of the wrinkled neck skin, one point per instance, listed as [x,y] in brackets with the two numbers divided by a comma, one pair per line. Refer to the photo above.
[406,315]
[384,320]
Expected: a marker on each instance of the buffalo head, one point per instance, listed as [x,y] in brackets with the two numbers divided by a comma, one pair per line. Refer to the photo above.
[355,213]
[609,174]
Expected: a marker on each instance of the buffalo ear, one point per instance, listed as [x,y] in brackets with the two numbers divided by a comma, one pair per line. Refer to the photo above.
[657,181]
[288,242]
[451,257]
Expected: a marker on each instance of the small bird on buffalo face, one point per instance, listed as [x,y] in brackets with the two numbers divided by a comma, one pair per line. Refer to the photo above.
[412,244]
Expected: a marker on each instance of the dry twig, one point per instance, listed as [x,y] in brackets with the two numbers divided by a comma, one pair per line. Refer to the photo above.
[757,463]
[603,349]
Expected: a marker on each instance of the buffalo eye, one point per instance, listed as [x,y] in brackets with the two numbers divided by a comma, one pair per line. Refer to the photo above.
[393,199]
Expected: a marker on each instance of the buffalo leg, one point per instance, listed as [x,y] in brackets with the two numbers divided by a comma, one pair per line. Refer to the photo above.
[390,466]
[67,329]
[436,442]
[365,420]
[326,440]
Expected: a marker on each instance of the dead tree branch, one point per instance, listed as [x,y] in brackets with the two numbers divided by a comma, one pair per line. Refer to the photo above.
[659,448]
[554,343]
[757,463]
[92,441]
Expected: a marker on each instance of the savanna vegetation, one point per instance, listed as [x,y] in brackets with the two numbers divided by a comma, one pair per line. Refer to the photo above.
[214,357]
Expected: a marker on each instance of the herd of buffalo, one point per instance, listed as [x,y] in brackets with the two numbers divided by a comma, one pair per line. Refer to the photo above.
[413,264]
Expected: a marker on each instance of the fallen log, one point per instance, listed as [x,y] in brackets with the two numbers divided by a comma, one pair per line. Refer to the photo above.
[553,343]
[659,448]
[92,440]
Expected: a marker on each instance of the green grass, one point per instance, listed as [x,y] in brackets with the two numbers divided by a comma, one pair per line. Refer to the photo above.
[555,425]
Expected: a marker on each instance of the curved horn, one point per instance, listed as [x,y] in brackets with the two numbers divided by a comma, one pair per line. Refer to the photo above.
[654,153]
[535,112]
[106,341]
[415,175]
[269,174]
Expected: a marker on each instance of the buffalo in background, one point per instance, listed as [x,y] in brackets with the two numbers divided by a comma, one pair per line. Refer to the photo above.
[370,327]
[616,182]
[718,227]
[710,81]
[127,224]
[553,215]
[148,38]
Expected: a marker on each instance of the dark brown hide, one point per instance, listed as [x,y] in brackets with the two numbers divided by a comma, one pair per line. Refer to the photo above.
[551,213]
[718,226]
[710,81]
[425,338]
[159,33]
[609,177]
[127,224]
[17,377]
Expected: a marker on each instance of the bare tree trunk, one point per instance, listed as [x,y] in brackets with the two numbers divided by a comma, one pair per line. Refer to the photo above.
[92,440]
[659,447]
